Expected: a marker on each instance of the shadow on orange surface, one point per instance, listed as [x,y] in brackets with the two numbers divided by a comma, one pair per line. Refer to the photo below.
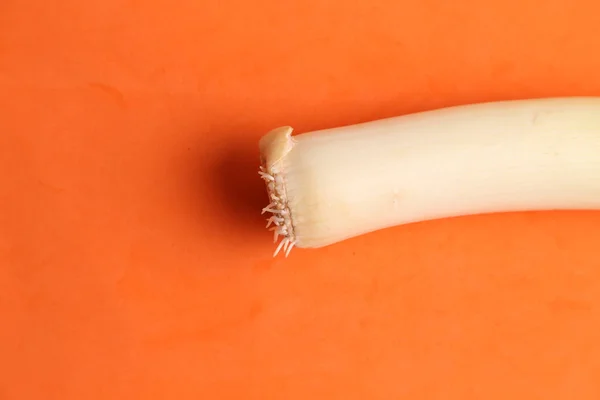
[237,185]
[221,193]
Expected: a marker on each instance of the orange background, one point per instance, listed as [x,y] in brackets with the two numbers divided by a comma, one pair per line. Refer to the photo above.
[134,259]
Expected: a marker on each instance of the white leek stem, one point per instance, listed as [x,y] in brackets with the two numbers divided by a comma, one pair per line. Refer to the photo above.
[524,155]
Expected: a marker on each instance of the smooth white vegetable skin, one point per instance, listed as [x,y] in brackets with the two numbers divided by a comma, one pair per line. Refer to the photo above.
[524,155]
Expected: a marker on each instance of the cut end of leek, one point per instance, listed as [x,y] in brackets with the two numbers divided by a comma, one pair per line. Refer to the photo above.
[524,155]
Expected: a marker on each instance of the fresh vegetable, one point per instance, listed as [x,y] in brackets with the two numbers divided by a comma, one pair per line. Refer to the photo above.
[329,185]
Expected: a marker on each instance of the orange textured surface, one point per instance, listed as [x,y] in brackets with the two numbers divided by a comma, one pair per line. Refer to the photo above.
[134,259]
